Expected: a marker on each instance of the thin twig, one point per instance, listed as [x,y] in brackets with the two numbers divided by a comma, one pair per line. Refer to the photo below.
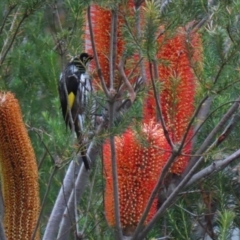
[201,118]
[89,200]
[158,105]
[123,86]
[132,94]
[113,45]
[25,15]
[42,159]
[163,174]
[211,135]
[134,38]
[119,235]
[74,209]
[55,8]
[6,17]
[99,70]
[80,184]
[61,201]
[196,130]
[139,35]
[7,40]
[215,167]
[44,145]
[134,68]
[44,201]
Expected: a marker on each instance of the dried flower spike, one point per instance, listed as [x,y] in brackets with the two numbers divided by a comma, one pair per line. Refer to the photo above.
[18,172]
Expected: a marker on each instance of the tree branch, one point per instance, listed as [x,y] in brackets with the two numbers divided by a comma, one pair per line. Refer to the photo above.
[44,201]
[80,184]
[215,167]
[114,174]
[126,81]
[95,53]
[211,135]
[158,105]
[113,46]
[61,201]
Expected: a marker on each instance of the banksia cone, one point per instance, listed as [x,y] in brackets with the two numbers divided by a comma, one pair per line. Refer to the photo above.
[139,166]
[101,22]
[177,91]
[18,172]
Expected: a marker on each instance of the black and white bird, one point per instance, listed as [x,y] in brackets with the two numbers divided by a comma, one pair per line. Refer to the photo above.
[75,89]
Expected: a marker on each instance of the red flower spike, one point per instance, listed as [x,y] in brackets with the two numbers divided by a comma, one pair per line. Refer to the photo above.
[139,166]
[178,83]
[101,22]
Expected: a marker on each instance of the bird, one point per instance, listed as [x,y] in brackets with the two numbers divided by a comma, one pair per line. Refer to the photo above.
[74,89]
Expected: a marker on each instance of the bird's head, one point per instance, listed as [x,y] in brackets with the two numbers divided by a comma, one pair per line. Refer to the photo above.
[82,60]
[85,58]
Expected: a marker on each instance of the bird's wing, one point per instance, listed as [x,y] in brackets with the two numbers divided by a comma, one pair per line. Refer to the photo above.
[67,89]
[83,97]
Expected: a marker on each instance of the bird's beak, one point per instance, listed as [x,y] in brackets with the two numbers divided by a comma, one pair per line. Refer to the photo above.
[90,57]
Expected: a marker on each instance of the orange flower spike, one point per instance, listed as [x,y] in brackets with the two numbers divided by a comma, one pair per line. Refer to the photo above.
[138,171]
[178,83]
[101,22]
[19,172]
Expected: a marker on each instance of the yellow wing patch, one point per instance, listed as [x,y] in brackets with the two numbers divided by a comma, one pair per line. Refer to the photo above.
[71,98]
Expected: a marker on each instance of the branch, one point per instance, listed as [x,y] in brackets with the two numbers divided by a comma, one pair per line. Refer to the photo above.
[80,184]
[166,204]
[113,46]
[139,34]
[163,174]
[201,117]
[44,201]
[6,17]
[126,81]
[7,40]
[215,167]
[114,174]
[61,201]
[68,217]
[89,199]
[206,118]
[185,182]
[95,53]
[158,105]
[211,135]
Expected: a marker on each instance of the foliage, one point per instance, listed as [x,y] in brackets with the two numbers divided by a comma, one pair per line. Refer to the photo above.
[34,49]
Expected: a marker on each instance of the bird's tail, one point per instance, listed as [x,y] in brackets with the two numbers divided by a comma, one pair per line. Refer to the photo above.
[84,157]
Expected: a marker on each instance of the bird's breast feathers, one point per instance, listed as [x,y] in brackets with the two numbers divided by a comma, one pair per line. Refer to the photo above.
[71,98]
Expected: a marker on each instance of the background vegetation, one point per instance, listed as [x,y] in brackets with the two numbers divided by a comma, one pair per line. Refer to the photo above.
[36,38]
